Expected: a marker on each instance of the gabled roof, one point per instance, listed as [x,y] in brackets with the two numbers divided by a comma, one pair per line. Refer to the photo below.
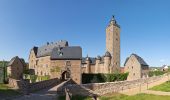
[12,60]
[72,52]
[47,49]
[16,57]
[23,62]
[126,60]
[139,59]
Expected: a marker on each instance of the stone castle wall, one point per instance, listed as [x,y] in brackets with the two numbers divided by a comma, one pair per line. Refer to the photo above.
[126,87]
[25,87]
[54,68]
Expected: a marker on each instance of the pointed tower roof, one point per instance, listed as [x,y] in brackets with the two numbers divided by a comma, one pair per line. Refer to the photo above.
[113,21]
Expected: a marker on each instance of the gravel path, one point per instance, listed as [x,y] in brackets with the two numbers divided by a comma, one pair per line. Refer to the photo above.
[156,92]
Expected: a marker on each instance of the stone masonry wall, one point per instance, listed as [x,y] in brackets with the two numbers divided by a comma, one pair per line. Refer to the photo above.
[133,87]
[26,87]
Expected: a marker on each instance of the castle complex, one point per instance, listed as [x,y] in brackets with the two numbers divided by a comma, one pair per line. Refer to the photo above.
[59,60]
[110,62]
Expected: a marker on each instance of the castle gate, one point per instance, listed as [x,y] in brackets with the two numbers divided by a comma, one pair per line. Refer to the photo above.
[66,72]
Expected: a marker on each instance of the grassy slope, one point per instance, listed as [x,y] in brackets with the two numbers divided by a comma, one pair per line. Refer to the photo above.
[162,87]
[135,97]
[123,97]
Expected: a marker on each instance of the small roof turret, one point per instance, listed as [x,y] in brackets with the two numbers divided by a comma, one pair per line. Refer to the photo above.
[98,58]
[113,22]
[107,54]
[88,58]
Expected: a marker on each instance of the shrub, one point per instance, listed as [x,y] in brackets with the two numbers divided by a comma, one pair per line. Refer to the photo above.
[33,78]
[156,73]
[100,78]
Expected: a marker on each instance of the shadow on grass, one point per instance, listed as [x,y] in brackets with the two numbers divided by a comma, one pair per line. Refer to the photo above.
[76,97]
[6,92]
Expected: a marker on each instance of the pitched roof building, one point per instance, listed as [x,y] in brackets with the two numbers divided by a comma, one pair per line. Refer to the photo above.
[51,59]
[16,67]
[136,67]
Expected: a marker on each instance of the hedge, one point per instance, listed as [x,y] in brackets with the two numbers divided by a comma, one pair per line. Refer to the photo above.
[34,78]
[100,78]
[156,73]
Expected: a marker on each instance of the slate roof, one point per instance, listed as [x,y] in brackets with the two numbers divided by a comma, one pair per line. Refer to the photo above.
[47,49]
[20,59]
[23,62]
[92,60]
[58,50]
[140,60]
[12,60]
[72,52]
[35,49]
[107,54]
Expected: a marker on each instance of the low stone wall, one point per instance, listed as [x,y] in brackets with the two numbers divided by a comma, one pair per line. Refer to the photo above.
[62,86]
[132,87]
[43,84]
[25,87]
[13,83]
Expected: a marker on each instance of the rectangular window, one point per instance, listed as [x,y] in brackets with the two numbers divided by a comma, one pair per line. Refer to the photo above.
[36,62]
[68,63]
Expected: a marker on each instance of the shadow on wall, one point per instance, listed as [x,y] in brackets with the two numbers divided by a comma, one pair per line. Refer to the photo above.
[70,88]
[25,87]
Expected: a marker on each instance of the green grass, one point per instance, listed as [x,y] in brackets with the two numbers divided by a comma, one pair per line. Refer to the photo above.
[122,97]
[162,87]
[6,92]
[135,97]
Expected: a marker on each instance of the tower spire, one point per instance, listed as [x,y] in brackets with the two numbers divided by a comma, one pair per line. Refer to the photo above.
[113,21]
[113,18]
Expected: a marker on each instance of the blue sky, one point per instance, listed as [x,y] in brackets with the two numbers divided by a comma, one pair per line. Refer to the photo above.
[145,26]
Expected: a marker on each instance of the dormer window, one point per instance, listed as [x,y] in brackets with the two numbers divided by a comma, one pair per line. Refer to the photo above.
[60,54]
